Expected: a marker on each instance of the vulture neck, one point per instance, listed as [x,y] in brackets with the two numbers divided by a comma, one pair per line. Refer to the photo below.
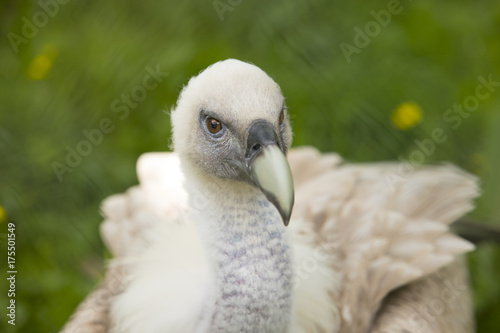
[244,238]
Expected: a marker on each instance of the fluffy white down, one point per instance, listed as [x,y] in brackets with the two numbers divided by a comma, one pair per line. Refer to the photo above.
[169,285]
[317,284]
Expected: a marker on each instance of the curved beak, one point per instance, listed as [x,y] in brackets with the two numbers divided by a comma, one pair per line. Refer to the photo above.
[268,167]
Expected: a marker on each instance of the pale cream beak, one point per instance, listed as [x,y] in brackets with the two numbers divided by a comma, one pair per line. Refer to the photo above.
[271,172]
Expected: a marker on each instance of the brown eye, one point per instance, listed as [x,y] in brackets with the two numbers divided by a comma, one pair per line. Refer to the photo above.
[282,117]
[214,126]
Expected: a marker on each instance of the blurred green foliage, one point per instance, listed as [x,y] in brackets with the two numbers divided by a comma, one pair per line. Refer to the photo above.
[65,78]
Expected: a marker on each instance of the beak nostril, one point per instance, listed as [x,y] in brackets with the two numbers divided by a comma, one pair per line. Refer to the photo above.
[256,147]
[260,134]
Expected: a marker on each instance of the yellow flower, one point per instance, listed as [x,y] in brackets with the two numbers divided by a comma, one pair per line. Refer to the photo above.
[406,115]
[3,214]
[41,65]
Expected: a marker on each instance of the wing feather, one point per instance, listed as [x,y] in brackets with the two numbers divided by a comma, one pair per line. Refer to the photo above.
[390,228]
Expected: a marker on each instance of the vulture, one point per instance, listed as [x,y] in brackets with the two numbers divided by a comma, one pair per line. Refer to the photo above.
[235,231]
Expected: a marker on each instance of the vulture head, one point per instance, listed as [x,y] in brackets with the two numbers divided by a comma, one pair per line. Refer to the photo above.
[231,123]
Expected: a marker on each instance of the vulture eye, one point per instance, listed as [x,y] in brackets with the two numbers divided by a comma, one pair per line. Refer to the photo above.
[282,118]
[213,125]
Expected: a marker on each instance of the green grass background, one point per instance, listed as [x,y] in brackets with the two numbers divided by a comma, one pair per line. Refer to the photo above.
[430,53]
